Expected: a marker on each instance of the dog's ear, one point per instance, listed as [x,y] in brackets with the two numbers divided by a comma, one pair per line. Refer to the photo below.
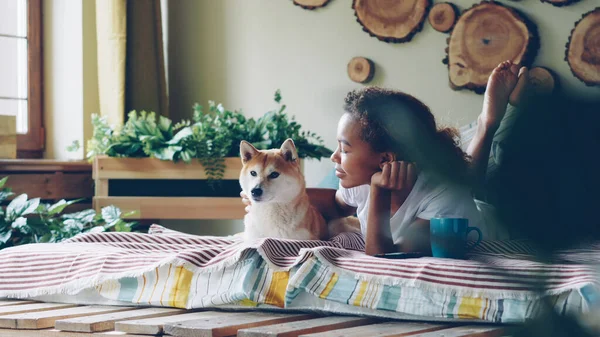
[288,150]
[247,151]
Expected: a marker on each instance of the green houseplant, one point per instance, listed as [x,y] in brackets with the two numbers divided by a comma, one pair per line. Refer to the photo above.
[210,136]
[25,220]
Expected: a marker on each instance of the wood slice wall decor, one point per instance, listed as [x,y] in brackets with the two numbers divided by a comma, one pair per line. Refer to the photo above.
[361,70]
[583,48]
[391,21]
[484,36]
[442,16]
[311,4]
[560,3]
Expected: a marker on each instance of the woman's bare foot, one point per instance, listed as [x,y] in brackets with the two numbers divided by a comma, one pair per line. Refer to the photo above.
[500,85]
[521,89]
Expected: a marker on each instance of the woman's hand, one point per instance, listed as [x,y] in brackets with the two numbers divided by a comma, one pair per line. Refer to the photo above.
[246,201]
[399,176]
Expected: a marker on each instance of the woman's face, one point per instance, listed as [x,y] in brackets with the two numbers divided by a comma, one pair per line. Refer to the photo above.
[355,161]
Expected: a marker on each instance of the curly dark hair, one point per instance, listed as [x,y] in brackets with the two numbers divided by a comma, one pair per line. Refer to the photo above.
[398,122]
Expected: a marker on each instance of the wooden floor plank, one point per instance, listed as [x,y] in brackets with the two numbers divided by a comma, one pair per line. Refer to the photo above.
[15,309]
[4,303]
[155,326]
[468,331]
[46,319]
[216,327]
[382,330]
[59,333]
[293,329]
[107,321]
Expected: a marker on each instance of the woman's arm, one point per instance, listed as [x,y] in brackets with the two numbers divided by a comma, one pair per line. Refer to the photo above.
[379,234]
[389,190]
[329,202]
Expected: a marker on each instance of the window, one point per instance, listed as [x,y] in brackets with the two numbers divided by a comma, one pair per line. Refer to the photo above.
[21,72]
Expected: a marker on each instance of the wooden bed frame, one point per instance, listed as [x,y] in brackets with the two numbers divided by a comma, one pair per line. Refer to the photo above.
[28,318]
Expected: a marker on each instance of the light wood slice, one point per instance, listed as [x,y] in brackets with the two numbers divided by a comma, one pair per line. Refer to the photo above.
[175,207]
[583,48]
[155,325]
[5,303]
[311,4]
[293,329]
[16,309]
[484,36]
[152,168]
[107,321]
[391,21]
[361,70]
[442,16]
[59,333]
[46,319]
[381,330]
[469,331]
[216,327]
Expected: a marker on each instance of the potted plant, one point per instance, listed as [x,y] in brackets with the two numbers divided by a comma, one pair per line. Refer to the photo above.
[204,148]
[211,136]
[25,220]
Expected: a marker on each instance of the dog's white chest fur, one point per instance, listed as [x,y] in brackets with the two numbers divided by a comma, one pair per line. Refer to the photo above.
[276,221]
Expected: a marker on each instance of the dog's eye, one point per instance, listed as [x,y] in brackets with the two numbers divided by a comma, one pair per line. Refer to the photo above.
[253,173]
[273,175]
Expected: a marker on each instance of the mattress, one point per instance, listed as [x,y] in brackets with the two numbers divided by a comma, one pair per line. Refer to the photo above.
[500,282]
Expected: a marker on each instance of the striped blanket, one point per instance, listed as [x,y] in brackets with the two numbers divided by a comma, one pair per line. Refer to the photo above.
[500,282]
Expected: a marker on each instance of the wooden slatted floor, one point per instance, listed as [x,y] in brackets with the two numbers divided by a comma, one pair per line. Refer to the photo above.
[32,319]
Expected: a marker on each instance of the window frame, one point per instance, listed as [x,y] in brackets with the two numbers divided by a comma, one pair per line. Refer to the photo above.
[32,143]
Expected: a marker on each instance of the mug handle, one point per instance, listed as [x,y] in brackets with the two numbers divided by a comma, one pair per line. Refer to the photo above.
[480,236]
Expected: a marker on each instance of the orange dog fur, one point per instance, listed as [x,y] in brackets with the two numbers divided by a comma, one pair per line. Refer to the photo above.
[274,183]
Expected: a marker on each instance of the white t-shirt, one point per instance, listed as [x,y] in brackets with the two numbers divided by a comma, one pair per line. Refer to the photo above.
[427,200]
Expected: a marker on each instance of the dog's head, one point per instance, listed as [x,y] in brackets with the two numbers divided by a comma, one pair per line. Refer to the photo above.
[271,175]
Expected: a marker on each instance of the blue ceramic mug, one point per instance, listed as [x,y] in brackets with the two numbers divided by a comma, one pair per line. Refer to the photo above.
[449,237]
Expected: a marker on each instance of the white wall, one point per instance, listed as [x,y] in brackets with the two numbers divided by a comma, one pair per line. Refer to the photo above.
[239,52]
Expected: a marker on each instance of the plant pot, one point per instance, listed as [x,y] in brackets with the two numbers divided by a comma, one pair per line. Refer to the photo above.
[158,189]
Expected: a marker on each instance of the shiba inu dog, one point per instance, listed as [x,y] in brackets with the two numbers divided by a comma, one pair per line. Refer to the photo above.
[273,181]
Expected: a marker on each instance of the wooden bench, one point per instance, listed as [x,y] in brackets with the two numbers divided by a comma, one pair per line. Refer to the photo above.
[27,318]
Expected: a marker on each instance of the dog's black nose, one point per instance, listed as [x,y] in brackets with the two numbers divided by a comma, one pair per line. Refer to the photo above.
[256,192]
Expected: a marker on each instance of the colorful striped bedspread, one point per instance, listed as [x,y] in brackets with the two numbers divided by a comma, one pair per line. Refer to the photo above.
[500,282]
